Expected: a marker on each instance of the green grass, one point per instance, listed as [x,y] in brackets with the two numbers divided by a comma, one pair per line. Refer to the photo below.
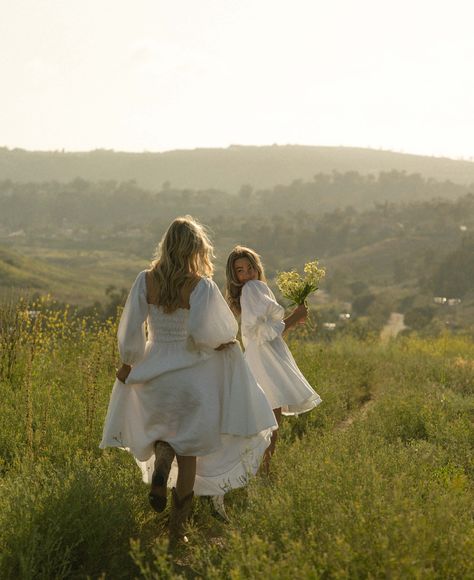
[73,276]
[374,483]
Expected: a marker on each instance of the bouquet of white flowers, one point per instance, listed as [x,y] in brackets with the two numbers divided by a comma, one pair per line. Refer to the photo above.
[297,288]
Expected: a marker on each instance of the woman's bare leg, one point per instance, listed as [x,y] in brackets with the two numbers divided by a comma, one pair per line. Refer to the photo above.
[271,448]
[186,475]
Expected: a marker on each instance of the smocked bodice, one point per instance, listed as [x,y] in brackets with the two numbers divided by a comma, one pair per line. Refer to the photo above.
[197,332]
[167,327]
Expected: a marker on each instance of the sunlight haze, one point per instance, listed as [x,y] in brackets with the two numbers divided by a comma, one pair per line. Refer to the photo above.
[154,75]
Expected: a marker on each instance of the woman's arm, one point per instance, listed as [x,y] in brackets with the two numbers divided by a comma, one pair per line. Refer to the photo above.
[262,316]
[298,316]
[211,324]
[131,330]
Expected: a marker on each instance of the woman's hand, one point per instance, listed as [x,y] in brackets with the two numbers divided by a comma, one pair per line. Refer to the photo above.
[225,345]
[301,313]
[123,372]
[298,316]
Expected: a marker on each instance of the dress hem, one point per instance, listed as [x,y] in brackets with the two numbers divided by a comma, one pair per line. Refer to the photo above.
[299,409]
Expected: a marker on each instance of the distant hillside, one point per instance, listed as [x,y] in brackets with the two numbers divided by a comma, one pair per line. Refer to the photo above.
[19,271]
[73,277]
[405,245]
[225,169]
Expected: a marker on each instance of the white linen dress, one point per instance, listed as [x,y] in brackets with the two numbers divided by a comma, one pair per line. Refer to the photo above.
[203,402]
[267,354]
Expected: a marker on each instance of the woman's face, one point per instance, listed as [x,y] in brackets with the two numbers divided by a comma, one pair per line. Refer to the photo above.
[244,270]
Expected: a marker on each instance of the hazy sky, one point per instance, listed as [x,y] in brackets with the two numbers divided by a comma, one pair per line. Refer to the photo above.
[157,75]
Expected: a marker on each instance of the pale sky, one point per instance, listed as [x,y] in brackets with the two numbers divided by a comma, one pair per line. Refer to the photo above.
[155,75]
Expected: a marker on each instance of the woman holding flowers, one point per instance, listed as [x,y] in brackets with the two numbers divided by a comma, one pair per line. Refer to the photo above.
[262,326]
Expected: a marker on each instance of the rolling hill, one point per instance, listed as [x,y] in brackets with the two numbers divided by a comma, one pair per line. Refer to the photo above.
[73,277]
[225,169]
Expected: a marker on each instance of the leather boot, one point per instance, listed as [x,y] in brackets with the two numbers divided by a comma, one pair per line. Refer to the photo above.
[180,513]
[164,456]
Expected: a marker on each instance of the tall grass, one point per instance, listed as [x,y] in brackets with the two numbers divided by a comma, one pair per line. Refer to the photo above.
[374,483]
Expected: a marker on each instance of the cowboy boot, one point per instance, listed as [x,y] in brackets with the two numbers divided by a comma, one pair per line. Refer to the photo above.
[164,456]
[180,513]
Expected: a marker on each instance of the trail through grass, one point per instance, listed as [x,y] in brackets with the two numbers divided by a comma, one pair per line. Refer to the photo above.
[376,482]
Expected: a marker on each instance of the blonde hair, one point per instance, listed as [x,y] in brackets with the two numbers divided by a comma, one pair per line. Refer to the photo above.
[233,286]
[183,254]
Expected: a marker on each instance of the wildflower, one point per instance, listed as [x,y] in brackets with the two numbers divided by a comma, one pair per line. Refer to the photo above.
[297,288]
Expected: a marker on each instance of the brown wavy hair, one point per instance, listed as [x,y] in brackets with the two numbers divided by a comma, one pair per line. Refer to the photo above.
[233,286]
[184,254]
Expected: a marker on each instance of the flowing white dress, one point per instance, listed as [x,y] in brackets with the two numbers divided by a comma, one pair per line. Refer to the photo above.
[203,402]
[267,354]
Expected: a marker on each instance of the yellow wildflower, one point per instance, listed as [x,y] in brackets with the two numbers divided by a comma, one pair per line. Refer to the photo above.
[297,288]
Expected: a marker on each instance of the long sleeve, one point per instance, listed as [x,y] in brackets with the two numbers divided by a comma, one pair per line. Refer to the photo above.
[262,316]
[211,322]
[131,331]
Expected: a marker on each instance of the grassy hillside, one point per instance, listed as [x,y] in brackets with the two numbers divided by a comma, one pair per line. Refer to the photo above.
[72,276]
[403,253]
[377,482]
[20,271]
[226,169]
[76,240]
[388,261]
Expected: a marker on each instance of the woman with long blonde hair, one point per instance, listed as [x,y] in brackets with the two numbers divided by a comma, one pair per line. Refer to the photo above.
[184,402]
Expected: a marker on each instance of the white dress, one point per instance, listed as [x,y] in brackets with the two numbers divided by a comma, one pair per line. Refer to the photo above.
[267,354]
[203,402]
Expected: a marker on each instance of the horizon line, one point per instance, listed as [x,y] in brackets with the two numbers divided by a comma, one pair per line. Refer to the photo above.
[469,159]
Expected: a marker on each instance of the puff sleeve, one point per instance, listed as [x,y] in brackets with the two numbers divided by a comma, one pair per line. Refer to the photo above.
[131,331]
[211,322]
[262,316]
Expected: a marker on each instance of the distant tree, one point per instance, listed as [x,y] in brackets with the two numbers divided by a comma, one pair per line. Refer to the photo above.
[380,309]
[406,303]
[361,303]
[419,317]
[359,287]
[245,192]
[455,275]
[116,297]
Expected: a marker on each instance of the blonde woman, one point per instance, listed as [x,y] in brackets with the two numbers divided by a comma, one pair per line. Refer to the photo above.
[262,326]
[184,402]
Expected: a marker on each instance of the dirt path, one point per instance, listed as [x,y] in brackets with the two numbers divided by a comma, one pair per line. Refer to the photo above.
[359,415]
[395,324]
